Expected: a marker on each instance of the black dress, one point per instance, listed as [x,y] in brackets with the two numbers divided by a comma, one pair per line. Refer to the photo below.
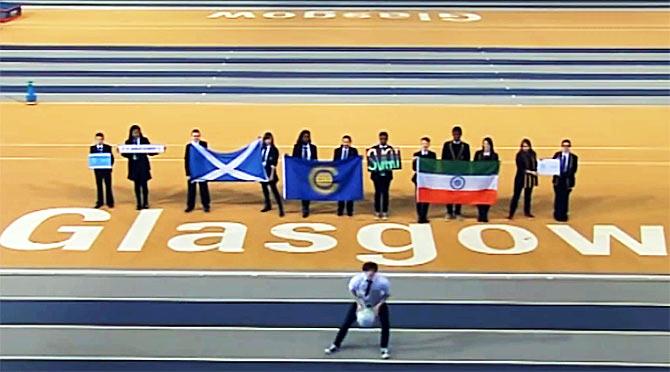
[139,171]
[483,209]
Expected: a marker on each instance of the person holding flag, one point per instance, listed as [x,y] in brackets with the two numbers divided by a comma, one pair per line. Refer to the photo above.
[455,150]
[487,153]
[204,189]
[344,152]
[270,156]
[304,149]
[422,208]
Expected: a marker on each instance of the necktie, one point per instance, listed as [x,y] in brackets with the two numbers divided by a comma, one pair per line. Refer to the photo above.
[99,148]
[565,163]
[304,152]
[368,288]
[344,153]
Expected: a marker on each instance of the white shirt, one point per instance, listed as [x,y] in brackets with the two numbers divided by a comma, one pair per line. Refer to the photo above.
[306,149]
[380,288]
[345,153]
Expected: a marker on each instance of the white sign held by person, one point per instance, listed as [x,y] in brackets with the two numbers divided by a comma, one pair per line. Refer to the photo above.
[141,149]
[548,167]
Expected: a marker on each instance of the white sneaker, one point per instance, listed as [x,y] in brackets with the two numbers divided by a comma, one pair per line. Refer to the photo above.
[385,216]
[385,353]
[330,349]
[377,216]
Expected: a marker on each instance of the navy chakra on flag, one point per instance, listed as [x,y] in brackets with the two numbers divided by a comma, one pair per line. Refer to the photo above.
[457,182]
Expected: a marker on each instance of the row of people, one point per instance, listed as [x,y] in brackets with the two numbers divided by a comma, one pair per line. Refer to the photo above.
[526,177]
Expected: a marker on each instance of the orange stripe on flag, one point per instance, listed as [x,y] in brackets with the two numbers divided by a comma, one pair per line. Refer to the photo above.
[456,197]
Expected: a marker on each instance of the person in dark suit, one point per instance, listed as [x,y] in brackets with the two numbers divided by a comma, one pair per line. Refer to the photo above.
[525,178]
[422,208]
[304,149]
[455,150]
[564,182]
[270,156]
[345,151]
[139,168]
[103,175]
[382,179]
[487,153]
[204,188]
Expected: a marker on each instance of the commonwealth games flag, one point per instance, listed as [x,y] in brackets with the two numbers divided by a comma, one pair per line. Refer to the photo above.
[244,164]
[457,182]
[323,180]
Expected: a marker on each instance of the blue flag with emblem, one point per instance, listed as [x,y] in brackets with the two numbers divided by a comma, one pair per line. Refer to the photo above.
[323,180]
[243,165]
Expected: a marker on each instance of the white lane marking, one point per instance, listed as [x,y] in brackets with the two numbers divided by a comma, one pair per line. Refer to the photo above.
[329,274]
[327,329]
[336,360]
[328,300]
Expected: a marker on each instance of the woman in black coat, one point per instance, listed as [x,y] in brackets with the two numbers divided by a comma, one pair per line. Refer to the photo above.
[304,149]
[487,153]
[525,179]
[270,156]
[139,168]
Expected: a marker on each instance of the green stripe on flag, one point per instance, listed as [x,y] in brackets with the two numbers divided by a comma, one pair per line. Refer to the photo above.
[459,167]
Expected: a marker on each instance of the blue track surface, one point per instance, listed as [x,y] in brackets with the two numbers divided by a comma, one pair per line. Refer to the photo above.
[435,316]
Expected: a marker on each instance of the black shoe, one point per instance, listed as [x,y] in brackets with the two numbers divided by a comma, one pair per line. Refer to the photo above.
[340,213]
[145,206]
[350,214]
[529,215]
[206,209]
[110,205]
[305,214]
[265,209]
[138,207]
[97,205]
[281,214]
[188,209]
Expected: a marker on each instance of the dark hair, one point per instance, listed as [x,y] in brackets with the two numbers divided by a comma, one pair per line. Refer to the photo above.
[99,134]
[425,139]
[302,133]
[270,136]
[490,141]
[383,133]
[370,266]
[566,140]
[346,136]
[195,130]
[132,128]
[457,129]
[527,142]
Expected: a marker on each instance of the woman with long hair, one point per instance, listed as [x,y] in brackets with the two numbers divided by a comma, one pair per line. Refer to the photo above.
[139,168]
[487,153]
[525,179]
[270,156]
[304,149]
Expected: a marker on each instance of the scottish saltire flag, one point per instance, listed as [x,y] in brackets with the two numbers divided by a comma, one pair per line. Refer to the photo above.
[243,165]
[457,182]
[323,180]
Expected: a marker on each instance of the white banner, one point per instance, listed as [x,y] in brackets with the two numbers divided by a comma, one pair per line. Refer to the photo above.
[548,167]
[141,149]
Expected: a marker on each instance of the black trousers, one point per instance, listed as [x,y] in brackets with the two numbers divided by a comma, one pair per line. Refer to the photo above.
[382,185]
[527,195]
[422,211]
[305,206]
[349,320]
[483,212]
[454,209]
[561,202]
[349,204]
[142,193]
[271,186]
[204,194]
[104,176]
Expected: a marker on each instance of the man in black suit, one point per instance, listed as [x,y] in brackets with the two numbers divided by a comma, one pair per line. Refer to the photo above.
[103,175]
[345,151]
[565,181]
[304,149]
[455,150]
[422,208]
[204,189]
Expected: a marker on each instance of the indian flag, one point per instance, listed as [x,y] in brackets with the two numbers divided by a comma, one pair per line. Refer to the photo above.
[457,182]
